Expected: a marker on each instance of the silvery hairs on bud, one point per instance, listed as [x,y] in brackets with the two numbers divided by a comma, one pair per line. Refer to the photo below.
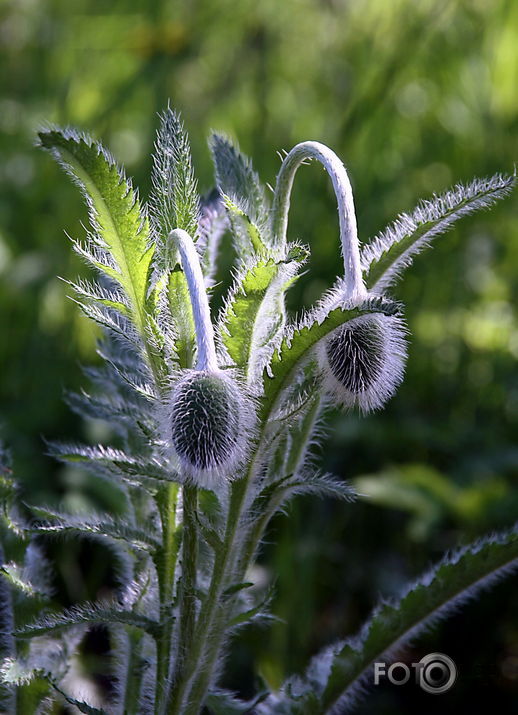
[210,426]
[363,361]
[209,419]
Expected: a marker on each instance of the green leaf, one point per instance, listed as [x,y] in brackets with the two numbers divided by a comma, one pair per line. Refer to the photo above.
[174,201]
[320,485]
[434,596]
[298,345]
[119,226]
[223,702]
[236,587]
[91,292]
[79,704]
[255,314]
[180,310]
[93,524]
[101,612]
[108,456]
[245,233]
[384,258]
[237,179]
[15,575]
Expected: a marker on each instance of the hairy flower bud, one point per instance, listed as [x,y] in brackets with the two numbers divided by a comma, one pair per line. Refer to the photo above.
[209,425]
[363,361]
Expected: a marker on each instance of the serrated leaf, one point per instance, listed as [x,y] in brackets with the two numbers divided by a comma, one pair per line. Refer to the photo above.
[321,485]
[15,672]
[174,200]
[7,641]
[223,702]
[14,574]
[246,234]
[254,313]
[456,579]
[81,705]
[110,458]
[117,221]
[390,252]
[300,342]
[93,292]
[236,178]
[100,612]
[102,525]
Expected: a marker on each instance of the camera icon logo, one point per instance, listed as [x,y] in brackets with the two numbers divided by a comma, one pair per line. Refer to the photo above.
[437,673]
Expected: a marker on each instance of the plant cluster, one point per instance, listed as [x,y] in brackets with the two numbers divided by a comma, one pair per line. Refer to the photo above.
[215,416]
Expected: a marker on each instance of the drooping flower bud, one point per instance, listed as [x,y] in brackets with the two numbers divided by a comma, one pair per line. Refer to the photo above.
[210,420]
[354,288]
[364,360]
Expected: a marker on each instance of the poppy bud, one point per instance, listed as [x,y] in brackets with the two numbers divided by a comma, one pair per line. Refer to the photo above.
[363,361]
[209,425]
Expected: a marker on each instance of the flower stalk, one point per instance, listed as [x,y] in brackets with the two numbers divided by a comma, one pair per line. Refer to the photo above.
[354,286]
[206,353]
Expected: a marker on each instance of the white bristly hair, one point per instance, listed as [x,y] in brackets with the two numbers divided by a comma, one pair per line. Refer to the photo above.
[363,361]
[209,420]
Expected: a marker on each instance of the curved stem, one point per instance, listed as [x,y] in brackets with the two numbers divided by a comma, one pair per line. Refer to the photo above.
[354,285]
[200,303]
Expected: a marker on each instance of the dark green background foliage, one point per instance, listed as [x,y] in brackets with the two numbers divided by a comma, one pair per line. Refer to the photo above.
[413,97]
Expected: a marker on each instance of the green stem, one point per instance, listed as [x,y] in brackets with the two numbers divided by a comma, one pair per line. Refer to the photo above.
[134,673]
[192,689]
[229,563]
[189,577]
[165,560]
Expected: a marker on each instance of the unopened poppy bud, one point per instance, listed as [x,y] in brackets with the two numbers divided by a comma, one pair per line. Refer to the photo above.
[209,424]
[363,361]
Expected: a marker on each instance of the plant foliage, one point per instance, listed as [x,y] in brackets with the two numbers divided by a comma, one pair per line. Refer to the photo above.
[184,548]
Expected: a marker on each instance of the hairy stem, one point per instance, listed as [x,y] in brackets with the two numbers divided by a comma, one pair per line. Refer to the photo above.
[134,672]
[199,300]
[354,285]
[207,640]
[165,560]
[189,577]
[232,562]
[294,463]
[242,560]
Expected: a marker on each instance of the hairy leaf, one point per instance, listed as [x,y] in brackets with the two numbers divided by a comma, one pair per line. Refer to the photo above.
[246,234]
[94,524]
[389,253]
[79,704]
[118,223]
[212,225]
[236,179]
[180,311]
[100,612]
[223,702]
[254,313]
[174,201]
[338,675]
[296,348]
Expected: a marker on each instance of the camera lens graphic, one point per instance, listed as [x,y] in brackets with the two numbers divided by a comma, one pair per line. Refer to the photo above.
[437,673]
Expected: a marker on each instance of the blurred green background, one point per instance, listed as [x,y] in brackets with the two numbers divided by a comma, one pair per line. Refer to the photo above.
[414,96]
